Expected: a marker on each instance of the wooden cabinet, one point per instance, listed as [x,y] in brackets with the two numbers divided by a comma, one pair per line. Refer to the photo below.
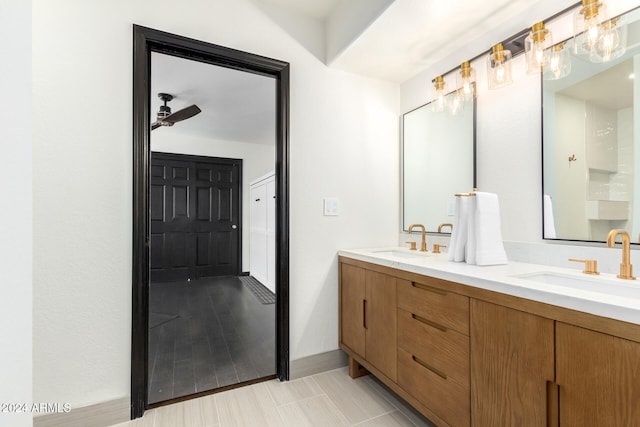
[465,356]
[433,348]
[512,359]
[368,316]
[534,371]
[598,377]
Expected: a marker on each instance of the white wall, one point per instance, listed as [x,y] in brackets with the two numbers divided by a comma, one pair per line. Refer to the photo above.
[344,143]
[16,212]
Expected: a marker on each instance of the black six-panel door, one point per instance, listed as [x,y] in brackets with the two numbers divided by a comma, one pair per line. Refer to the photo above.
[195,217]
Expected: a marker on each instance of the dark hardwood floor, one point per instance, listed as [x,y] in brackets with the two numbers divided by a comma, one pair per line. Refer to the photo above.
[206,334]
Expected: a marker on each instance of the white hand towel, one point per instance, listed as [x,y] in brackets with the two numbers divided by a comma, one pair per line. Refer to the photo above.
[549,222]
[460,229]
[470,250]
[488,237]
[454,232]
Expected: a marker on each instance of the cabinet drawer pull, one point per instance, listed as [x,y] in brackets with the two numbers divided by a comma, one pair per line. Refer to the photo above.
[432,369]
[429,322]
[364,313]
[553,404]
[428,288]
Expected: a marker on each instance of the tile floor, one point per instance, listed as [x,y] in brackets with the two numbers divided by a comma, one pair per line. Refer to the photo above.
[328,399]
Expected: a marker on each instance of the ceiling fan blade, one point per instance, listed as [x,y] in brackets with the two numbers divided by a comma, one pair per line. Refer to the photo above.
[183,114]
[155,125]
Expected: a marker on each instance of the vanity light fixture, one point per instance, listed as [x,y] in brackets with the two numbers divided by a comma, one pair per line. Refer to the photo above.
[440,85]
[499,67]
[558,64]
[612,42]
[535,48]
[465,81]
[587,27]
[595,36]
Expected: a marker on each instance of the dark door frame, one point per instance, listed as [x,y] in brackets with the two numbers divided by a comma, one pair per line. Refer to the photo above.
[145,41]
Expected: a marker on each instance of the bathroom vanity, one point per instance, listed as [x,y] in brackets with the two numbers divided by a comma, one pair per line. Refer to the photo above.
[518,344]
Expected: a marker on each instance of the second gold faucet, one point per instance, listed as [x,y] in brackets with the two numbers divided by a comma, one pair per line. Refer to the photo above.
[423,244]
[626,269]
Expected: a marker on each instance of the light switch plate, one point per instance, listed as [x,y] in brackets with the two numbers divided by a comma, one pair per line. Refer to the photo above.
[331,206]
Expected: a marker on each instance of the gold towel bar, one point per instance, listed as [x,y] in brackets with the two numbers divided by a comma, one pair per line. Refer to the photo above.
[473,193]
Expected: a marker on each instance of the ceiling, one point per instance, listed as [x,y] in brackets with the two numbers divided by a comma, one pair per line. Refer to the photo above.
[599,89]
[236,105]
[392,40]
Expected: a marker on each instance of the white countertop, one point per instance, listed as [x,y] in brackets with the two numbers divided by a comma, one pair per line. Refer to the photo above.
[602,295]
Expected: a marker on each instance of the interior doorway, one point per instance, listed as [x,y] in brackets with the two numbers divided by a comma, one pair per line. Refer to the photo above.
[146,42]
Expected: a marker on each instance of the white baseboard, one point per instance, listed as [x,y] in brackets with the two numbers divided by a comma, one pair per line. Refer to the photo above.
[317,363]
[99,415]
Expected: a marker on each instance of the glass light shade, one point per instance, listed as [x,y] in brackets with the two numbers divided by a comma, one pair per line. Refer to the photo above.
[455,102]
[439,103]
[535,48]
[465,81]
[612,42]
[558,63]
[587,27]
[499,67]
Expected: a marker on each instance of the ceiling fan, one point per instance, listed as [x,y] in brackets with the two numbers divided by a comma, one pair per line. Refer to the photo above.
[167,118]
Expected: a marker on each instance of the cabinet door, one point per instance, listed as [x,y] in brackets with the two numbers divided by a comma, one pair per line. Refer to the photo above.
[352,305]
[512,358]
[380,322]
[599,378]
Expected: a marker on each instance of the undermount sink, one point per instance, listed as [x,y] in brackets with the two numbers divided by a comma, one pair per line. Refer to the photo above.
[400,253]
[618,287]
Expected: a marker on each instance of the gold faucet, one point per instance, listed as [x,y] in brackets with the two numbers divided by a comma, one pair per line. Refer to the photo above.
[626,269]
[441,226]
[423,245]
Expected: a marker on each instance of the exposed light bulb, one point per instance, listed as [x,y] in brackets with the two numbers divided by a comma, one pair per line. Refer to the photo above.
[500,72]
[558,63]
[593,32]
[439,103]
[535,47]
[540,56]
[465,78]
[456,102]
[612,42]
[499,67]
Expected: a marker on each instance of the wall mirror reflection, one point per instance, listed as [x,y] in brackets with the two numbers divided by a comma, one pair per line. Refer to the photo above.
[591,152]
[438,160]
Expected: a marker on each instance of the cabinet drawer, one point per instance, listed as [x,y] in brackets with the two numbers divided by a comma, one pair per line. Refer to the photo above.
[441,348]
[446,398]
[437,305]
